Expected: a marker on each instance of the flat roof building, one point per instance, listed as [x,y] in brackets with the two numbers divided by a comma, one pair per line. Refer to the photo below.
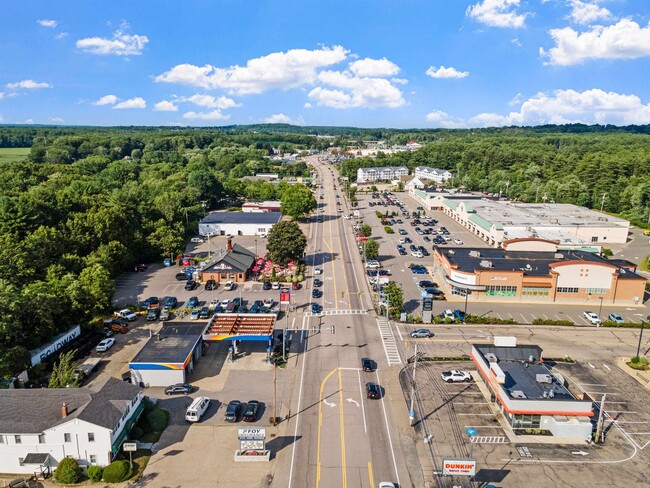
[536,270]
[238,223]
[385,173]
[268,206]
[497,221]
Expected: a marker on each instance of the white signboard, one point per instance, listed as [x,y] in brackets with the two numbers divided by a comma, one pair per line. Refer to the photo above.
[41,354]
[463,278]
[459,467]
[251,434]
[130,446]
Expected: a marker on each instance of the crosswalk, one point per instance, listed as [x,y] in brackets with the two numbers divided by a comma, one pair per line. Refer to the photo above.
[388,340]
[489,439]
[334,311]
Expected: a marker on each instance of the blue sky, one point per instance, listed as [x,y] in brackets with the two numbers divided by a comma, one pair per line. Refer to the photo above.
[382,63]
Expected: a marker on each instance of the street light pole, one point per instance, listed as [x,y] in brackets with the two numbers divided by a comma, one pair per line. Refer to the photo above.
[638,348]
[411,411]
[465,312]
[600,309]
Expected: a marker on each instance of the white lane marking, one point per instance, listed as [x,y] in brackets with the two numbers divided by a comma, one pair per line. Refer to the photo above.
[295,432]
[390,441]
[331,405]
[608,368]
[363,409]
[352,400]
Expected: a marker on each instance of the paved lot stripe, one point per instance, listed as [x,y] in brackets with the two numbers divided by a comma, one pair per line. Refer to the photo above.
[489,439]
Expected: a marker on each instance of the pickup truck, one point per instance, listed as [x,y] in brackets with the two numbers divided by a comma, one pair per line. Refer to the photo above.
[85,369]
[127,315]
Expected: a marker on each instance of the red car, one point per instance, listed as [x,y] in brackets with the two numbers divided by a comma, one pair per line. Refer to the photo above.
[295,286]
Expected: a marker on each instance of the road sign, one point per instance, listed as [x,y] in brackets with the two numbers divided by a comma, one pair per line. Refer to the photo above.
[458,467]
[285,295]
[130,446]
[471,431]
[251,439]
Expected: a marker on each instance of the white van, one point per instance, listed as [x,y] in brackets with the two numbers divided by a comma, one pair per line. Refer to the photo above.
[197,409]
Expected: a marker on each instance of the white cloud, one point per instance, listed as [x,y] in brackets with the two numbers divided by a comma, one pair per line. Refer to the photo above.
[353,91]
[28,121]
[208,101]
[443,72]
[587,12]
[624,40]
[593,106]
[61,35]
[121,44]
[2,95]
[214,115]
[442,119]
[516,42]
[280,70]
[57,120]
[1,118]
[374,67]
[307,105]
[136,102]
[48,23]
[498,13]
[106,100]
[165,106]
[28,85]
[516,100]
[283,119]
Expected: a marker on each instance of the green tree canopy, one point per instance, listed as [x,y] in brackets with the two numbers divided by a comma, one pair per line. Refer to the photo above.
[286,241]
[297,201]
[395,298]
[372,249]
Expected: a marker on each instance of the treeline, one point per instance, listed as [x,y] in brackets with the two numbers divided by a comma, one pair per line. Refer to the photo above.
[534,166]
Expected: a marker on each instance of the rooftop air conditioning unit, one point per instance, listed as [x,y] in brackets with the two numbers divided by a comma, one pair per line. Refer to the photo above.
[491,357]
[485,264]
[529,267]
[518,394]
[475,254]
[544,378]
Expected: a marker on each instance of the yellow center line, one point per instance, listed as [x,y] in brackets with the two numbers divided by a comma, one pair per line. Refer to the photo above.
[343,466]
[372,481]
[331,249]
[320,423]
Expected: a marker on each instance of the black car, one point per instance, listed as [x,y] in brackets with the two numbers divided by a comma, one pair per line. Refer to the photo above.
[139,268]
[251,410]
[413,248]
[179,389]
[373,391]
[211,285]
[182,276]
[266,285]
[190,285]
[204,313]
[150,301]
[233,411]
[318,283]
[402,251]
[426,284]
[316,293]
[367,364]
[171,302]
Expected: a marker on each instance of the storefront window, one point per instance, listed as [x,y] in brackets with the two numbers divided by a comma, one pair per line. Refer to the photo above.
[534,291]
[501,291]
[521,421]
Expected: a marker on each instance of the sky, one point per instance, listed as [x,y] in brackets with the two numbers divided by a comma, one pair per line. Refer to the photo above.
[361,63]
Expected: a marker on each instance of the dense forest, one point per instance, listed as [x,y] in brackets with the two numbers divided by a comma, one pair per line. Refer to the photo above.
[88,203]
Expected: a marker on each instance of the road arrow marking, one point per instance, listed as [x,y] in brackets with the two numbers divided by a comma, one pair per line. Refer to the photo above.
[350,400]
[591,365]
[579,453]
[331,405]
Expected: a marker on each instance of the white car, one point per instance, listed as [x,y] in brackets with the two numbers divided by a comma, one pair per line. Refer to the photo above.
[401,240]
[268,302]
[229,286]
[456,376]
[592,317]
[214,303]
[446,238]
[458,241]
[105,345]
[448,314]
[275,285]
[417,254]
[225,303]
[318,271]
[196,240]
[195,314]
[373,264]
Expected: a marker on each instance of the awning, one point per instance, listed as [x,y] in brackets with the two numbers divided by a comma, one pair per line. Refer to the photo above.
[117,444]
[464,286]
[541,284]
[36,458]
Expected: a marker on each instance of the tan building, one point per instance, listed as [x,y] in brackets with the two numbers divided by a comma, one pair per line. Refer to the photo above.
[235,265]
[534,270]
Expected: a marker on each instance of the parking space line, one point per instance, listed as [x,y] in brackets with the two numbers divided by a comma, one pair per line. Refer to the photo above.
[524,319]
[363,409]
[589,384]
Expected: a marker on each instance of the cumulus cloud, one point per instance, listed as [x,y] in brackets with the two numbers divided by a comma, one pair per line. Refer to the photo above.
[440,118]
[443,72]
[121,44]
[106,100]
[2,95]
[498,13]
[214,115]
[208,101]
[165,106]
[587,12]
[60,35]
[57,120]
[624,40]
[351,91]
[283,119]
[593,106]
[374,67]
[48,23]
[28,85]
[136,102]
[516,42]
[280,70]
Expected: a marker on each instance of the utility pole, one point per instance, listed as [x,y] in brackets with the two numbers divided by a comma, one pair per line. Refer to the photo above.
[275,399]
[602,202]
[600,434]
[638,348]
[411,409]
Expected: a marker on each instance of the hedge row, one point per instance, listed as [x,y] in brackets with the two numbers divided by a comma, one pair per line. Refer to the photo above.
[553,322]
[475,319]
[624,325]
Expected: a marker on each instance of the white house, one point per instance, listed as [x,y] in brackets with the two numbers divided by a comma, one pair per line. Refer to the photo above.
[238,223]
[434,174]
[386,173]
[40,427]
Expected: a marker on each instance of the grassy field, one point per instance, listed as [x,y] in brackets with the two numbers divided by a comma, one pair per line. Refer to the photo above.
[8,154]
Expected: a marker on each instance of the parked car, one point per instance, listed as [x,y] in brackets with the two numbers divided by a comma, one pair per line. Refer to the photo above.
[373,391]
[171,302]
[419,270]
[315,308]
[373,264]
[140,268]
[458,241]
[316,293]
[204,313]
[233,411]
[193,302]
[367,365]
[614,317]
[448,314]
[266,285]
[251,411]
[196,240]
[460,315]
[190,285]
[195,314]
[167,262]
[268,302]
[435,292]
[418,333]
[426,284]
[229,286]
[179,389]
[592,317]
[318,283]
[150,302]
[402,251]
[417,254]
[211,285]
[153,314]
[165,313]
[183,276]
[456,376]
[318,270]
[426,239]
[295,285]
[105,345]
[275,285]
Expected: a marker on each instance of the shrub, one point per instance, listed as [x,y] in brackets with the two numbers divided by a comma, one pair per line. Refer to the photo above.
[379,215]
[540,321]
[476,319]
[418,320]
[136,432]
[639,360]
[148,405]
[94,473]
[624,325]
[157,419]
[117,471]
[67,471]
[389,230]
[437,320]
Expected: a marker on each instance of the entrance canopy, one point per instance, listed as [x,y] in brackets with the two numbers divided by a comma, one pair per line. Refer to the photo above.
[240,327]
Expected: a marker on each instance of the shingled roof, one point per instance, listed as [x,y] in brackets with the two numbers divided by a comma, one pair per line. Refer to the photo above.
[239,259]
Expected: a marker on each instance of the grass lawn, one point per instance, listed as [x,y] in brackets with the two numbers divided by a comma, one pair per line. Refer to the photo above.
[9,154]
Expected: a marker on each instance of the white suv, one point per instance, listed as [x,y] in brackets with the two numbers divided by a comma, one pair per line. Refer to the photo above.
[373,265]
[592,317]
[456,376]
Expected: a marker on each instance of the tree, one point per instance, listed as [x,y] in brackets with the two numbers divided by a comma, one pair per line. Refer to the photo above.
[67,471]
[285,242]
[395,298]
[372,249]
[296,201]
[13,360]
[366,230]
[63,372]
